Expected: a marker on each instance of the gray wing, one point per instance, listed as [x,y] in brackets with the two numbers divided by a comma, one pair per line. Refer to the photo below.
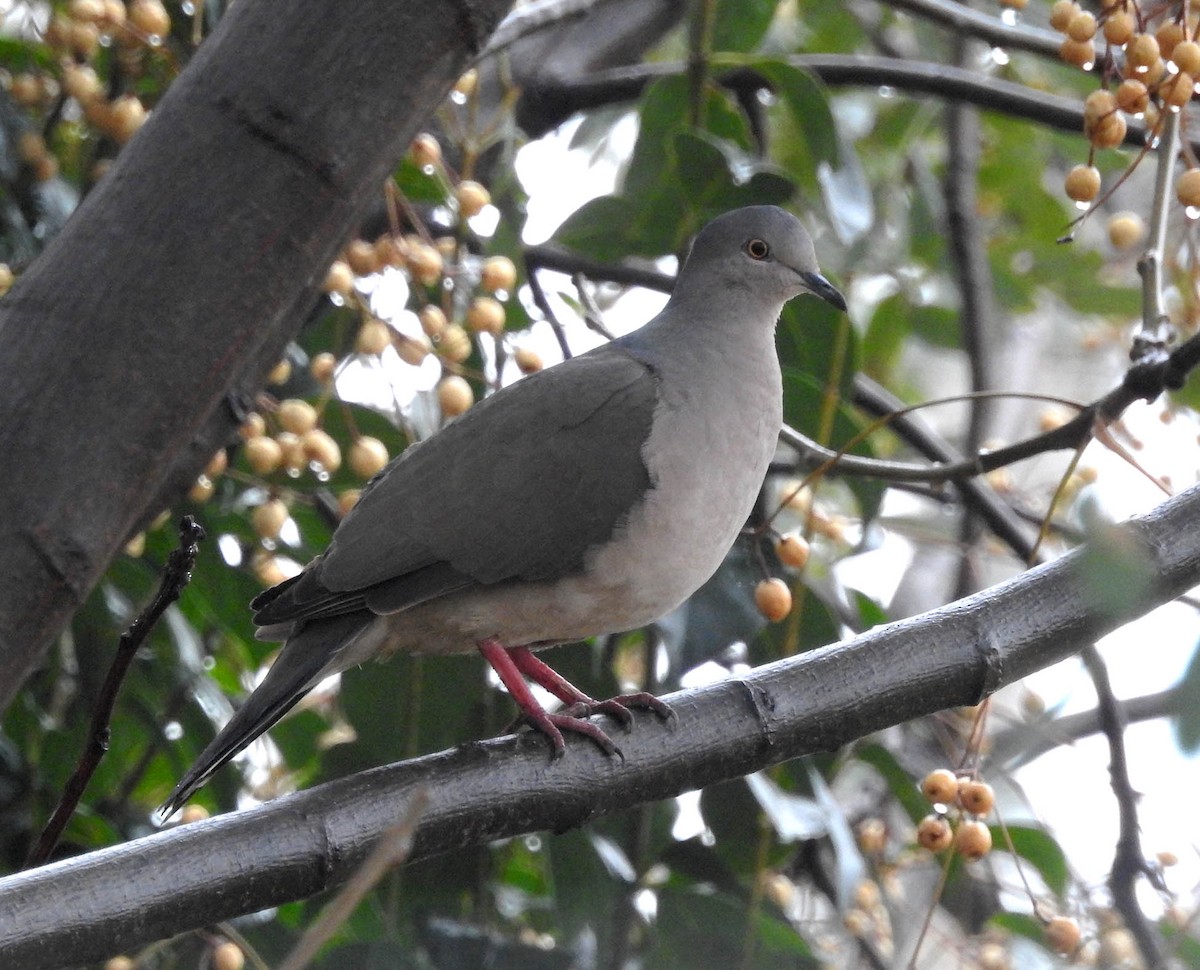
[519,487]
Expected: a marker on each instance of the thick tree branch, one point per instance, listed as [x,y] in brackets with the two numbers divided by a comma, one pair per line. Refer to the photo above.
[247,178]
[117,898]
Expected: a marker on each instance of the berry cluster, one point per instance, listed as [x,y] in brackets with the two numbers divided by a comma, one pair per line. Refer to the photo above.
[960,804]
[1150,65]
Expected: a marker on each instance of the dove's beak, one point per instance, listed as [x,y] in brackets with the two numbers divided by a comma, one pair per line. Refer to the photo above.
[819,286]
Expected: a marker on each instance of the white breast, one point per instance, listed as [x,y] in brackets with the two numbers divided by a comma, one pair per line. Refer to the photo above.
[707,456]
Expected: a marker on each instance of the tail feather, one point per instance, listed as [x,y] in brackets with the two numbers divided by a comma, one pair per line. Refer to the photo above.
[308,656]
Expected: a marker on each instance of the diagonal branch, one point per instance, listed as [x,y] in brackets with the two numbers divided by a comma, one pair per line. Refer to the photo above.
[196,874]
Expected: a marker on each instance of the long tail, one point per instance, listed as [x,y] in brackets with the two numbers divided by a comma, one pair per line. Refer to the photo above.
[305,659]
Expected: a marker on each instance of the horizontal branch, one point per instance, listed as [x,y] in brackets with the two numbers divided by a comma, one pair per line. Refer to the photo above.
[936,80]
[121,897]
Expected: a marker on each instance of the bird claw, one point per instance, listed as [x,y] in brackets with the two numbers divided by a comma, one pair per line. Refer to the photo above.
[573,719]
[553,725]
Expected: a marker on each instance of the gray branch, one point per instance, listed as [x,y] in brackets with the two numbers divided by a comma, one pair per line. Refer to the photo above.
[119,898]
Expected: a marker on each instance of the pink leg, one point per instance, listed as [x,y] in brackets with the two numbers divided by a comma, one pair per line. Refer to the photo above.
[551,725]
[579,704]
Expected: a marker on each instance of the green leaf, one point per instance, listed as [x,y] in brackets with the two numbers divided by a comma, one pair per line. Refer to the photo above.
[806,103]
[1037,847]
[418,185]
[740,26]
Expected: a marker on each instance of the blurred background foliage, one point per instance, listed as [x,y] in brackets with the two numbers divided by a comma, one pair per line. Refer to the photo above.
[462,279]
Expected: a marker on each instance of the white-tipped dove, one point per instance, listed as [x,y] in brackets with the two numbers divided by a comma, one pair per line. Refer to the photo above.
[589,498]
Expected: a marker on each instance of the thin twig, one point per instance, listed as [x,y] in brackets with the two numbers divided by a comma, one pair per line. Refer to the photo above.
[1150,266]
[1128,862]
[175,577]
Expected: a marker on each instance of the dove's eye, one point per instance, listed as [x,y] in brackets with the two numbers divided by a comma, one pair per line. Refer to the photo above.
[757,249]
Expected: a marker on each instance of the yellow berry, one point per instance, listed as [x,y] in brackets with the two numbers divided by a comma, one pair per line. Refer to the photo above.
[1080,53]
[940,786]
[89,11]
[120,963]
[217,464]
[339,279]
[1097,106]
[293,457]
[1169,35]
[425,150]
[193,813]
[498,273]
[322,367]
[467,84]
[1187,187]
[486,315]
[413,350]
[1119,27]
[1141,51]
[1186,56]
[319,447]
[27,89]
[973,840]
[934,833]
[433,320]
[267,569]
[1062,934]
[1177,90]
[362,257]
[253,426]
[296,416]
[228,956]
[1061,14]
[871,835]
[1132,96]
[82,82]
[793,550]
[976,797]
[125,116]
[454,395]
[347,500]
[773,598]
[390,250]
[1082,26]
[528,361]
[1109,131]
[454,344]
[263,454]
[6,278]
[1126,230]
[1083,183]
[280,372]
[368,456]
[202,490]
[136,546]
[115,13]
[150,17]
[424,263]
[472,198]
[374,337]
[269,518]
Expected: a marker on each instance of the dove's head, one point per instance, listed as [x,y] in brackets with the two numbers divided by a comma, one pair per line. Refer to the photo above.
[760,249]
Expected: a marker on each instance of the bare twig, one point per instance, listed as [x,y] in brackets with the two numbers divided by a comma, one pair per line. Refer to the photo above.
[1128,862]
[175,577]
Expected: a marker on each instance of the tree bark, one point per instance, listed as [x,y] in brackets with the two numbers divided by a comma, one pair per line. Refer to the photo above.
[178,282]
[118,898]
